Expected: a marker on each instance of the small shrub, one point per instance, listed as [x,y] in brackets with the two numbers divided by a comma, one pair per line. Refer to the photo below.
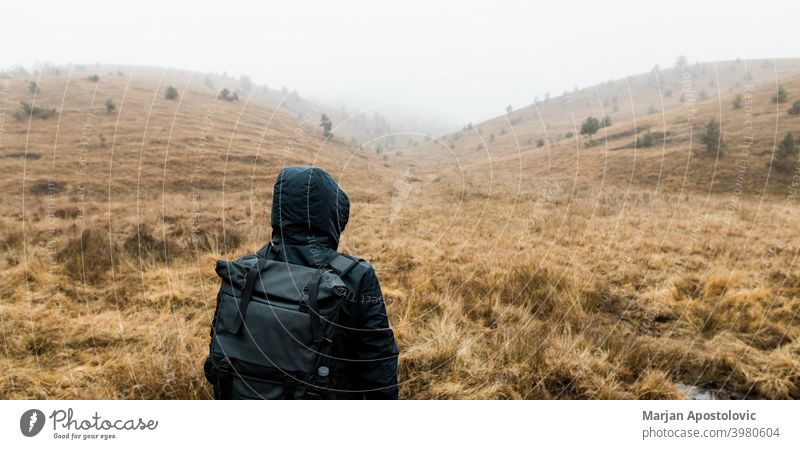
[110,106]
[569,135]
[780,97]
[645,141]
[27,110]
[737,101]
[540,143]
[786,156]
[605,122]
[712,139]
[171,93]
[326,125]
[93,78]
[590,126]
[33,87]
[795,109]
[226,95]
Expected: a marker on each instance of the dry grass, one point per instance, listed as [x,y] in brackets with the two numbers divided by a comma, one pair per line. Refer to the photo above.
[549,273]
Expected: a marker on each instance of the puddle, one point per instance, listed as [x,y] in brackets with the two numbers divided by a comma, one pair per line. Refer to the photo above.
[696,393]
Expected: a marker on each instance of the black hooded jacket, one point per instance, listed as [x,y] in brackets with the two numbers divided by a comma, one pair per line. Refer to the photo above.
[309,213]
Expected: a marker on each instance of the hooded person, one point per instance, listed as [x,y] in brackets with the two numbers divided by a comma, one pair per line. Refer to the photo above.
[309,214]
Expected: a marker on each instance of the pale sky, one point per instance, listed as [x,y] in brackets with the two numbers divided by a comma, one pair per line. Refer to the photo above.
[451,61]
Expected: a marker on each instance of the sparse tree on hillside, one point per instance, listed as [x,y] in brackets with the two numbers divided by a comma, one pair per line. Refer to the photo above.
[540,143]
[780,97]
[110,106]
[606,121]
[509,109]
[712,139]
[590,126]
[737,101]
[27,110]
[245,84]
[326,125]
[33,87]
[795,109]
[226,95]
[171,93]
[786,156]
[645,141]
[681,63]
[93,78]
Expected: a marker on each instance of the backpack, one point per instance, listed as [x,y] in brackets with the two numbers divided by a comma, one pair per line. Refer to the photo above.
[272,333]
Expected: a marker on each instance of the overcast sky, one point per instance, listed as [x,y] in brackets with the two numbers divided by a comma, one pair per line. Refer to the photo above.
[455,61]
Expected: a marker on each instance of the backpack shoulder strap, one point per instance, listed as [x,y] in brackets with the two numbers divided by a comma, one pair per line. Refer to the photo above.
[342,264]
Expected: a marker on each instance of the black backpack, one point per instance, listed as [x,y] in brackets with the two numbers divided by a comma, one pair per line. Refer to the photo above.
[271,337]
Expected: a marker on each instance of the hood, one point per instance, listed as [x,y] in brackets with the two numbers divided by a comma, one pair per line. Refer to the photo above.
[308,207]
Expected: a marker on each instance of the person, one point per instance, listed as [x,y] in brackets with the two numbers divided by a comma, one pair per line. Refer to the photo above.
[309,214]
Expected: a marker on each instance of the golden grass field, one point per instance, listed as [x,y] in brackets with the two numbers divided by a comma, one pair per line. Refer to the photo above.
[597,271]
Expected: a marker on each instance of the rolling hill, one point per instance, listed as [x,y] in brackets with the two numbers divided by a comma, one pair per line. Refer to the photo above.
[578,269]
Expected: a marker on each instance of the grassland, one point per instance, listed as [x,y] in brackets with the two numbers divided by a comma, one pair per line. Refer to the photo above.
[574,270]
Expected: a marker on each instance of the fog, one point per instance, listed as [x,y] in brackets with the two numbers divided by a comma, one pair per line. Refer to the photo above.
[441,63]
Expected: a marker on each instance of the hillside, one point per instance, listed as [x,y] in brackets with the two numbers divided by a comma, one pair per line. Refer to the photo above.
[624,100]
[673,160]
[509,271]
[112,220]
[352,127]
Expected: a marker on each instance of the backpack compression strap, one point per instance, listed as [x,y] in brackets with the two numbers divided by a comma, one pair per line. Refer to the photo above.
[249,284]
[342,265]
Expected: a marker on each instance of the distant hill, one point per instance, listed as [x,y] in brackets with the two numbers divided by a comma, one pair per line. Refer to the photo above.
[353,127]
[672,105]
